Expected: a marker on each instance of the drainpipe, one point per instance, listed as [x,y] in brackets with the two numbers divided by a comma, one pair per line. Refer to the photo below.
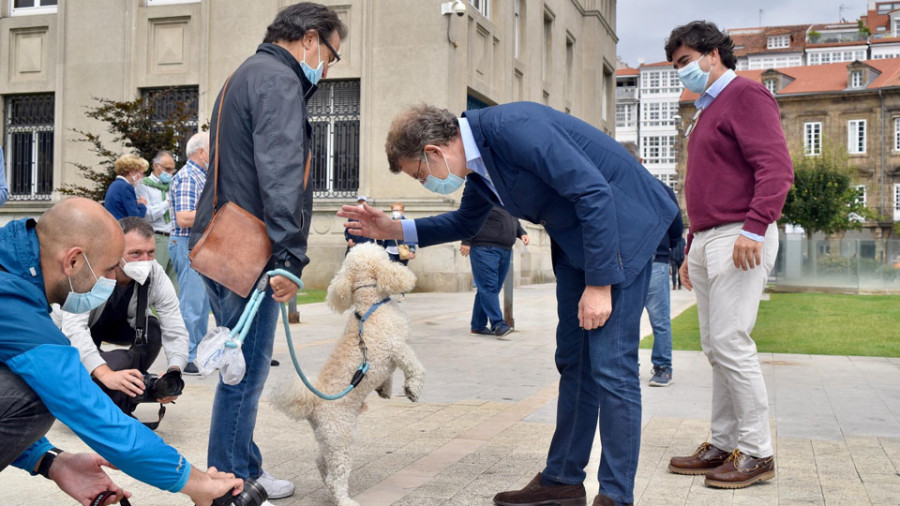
[881,96]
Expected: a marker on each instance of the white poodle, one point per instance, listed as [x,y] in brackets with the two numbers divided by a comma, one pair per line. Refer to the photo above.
[366,277]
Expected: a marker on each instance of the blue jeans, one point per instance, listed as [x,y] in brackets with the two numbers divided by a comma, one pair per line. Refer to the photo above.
[598,374]
[231,447]
[489,267]
[192,296]
[660,312]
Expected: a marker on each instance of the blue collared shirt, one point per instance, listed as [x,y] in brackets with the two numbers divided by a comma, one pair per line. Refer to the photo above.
[703,102]
[474,162]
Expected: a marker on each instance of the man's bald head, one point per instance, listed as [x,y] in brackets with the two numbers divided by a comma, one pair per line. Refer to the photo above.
[70,231]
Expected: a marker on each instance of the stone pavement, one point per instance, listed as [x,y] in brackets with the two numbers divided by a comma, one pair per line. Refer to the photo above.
[486,417]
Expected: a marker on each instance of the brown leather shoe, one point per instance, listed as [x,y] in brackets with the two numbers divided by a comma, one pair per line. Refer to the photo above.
[704,460]
[535,494]
[741,470]
[602,500]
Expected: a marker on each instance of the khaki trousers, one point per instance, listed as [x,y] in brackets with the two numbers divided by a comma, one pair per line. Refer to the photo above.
[727,304]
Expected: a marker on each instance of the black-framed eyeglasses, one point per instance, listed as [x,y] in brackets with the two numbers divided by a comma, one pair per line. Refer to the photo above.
[693,123]
[334,53]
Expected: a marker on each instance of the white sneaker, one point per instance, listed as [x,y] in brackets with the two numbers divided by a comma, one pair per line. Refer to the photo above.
[277,489]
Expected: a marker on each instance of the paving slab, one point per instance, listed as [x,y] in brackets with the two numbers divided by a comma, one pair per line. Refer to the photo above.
[486,416]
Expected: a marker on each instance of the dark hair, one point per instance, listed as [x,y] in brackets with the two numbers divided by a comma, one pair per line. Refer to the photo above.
[135,224]
[294,21]
[702,36]
[415,128]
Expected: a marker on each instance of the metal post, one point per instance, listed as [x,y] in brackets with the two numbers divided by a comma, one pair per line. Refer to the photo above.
[508,292]
[293,314]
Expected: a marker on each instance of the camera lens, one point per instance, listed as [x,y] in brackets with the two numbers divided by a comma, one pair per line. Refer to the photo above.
[169,384]
[252,495]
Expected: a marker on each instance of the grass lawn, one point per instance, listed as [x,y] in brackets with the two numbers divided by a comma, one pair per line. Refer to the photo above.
[311,296]
[812,323]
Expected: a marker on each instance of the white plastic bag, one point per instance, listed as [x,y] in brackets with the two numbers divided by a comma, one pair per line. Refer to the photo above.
[212,355]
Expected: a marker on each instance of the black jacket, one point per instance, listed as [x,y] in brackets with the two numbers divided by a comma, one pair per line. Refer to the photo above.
[264,146]
[676,229]
[500,230]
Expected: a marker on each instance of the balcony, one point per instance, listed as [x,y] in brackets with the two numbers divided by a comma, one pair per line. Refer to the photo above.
[626,93]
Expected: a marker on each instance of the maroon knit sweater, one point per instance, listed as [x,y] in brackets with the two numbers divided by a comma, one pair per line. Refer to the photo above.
[738,168]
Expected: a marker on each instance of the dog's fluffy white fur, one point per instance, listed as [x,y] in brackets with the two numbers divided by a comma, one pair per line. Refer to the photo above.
[385,332]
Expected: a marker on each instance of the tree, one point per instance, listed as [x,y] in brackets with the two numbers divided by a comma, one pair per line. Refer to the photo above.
[822,199]
[138,126]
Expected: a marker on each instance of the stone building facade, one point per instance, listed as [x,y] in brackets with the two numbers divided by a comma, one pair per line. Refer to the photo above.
[58,57]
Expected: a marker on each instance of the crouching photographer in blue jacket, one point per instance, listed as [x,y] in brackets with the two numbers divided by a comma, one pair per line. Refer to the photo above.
[69,257]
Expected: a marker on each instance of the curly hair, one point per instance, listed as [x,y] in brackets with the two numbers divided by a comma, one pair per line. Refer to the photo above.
[415,128]
[126,164]
[702,36]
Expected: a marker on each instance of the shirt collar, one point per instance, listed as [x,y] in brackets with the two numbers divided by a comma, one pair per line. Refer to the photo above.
[469,144]
[195,165]
[710,94]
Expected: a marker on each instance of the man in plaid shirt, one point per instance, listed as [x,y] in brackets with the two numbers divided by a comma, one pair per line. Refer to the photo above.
[187,185]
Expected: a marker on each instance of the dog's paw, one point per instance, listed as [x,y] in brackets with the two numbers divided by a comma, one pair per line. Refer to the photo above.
[411,393]
[383,392]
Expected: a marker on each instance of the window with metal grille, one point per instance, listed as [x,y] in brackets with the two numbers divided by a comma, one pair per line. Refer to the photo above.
[29,146]
[165,102]
[29,7]
[334,114]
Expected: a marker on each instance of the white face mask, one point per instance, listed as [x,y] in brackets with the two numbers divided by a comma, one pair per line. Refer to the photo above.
[397,214]
[139,270]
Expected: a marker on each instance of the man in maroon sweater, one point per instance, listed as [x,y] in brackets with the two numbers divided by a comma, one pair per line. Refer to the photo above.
[738,174]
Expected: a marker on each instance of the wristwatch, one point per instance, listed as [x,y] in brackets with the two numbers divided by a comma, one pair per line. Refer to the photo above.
[47,461]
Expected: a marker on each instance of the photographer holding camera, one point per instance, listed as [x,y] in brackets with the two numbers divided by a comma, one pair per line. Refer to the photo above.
[70,257]
[126,319]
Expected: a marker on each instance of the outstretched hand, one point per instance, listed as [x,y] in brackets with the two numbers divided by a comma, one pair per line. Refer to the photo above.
[80,475]
[371,222]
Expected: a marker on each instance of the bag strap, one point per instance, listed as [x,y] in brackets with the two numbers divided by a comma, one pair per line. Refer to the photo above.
[140,315]
[218,129]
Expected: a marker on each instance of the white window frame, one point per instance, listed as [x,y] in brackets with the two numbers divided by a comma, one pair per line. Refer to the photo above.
[482,6]
[658,149]
[856,78]
[897,134]
[860,194]
[31,11]
[856,136]
[778,41]
[812,138]
[771,85]
[896,201]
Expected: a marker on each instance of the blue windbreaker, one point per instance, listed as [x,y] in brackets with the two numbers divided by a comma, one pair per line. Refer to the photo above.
[35,349]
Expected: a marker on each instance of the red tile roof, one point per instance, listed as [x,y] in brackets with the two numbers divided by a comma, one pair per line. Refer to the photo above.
[627,72]
[830,78]
[756,40]
[657,64]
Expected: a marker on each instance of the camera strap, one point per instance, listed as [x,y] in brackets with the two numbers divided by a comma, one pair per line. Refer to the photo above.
[140,314]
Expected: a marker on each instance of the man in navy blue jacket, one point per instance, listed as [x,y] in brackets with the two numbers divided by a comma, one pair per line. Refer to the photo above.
[605,215]
[68,258]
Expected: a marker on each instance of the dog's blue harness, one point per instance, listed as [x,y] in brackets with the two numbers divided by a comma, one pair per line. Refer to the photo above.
[240,332]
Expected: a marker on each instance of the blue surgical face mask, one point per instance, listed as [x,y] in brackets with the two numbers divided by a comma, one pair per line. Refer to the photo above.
[443,186]
[313,74]
[84,302]
[165,177]
[693,77]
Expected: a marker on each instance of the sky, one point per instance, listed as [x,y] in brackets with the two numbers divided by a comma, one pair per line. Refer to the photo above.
[644,25]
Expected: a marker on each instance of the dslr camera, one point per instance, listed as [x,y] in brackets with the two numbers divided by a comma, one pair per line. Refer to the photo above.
[169,384]
[252,495]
